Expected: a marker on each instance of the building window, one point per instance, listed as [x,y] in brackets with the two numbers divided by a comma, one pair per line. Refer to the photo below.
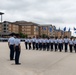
[4,28]
[4,31]
[4,25]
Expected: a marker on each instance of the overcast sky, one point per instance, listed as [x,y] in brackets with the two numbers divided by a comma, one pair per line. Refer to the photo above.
[60,13]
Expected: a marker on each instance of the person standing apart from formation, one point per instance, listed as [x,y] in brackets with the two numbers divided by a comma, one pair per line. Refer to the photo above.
[70,44]
[11,42]
[17,50]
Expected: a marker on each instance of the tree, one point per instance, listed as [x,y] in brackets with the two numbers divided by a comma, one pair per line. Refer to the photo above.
[44,35]
[22,35]
[26,35]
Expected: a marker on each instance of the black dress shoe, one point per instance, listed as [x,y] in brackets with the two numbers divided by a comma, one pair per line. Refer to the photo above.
[18,63]
[12,59]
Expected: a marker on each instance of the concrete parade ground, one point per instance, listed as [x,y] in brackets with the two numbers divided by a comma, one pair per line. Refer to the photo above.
[35,62]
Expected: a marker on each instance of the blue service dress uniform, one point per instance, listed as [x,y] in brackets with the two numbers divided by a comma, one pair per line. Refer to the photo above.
[37,43]
[71,45]
[47,44]
[56,44]
[11,42]
[60,41]
[66,41]
[26,43]
[17,50]
[74,45]
[51,43]
[40,43]
[33,43]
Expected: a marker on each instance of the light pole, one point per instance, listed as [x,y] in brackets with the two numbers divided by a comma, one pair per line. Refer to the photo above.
[1,13]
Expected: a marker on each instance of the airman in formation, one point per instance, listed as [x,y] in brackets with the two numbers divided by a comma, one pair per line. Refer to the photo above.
[51,44]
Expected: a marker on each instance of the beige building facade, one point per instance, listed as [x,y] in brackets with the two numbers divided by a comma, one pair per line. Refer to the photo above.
[68,34]
[31,29]
[48,30]
[13,28]
[60,33]
[8,27]
[28,28]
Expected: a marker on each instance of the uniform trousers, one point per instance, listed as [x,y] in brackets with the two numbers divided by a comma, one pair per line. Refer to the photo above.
[29,46]
[56,46]
[66,45]
[40,46]
[47,46]
[17,54]
[51,46]
[11,52]
[60,47]
[26,45]
[44,46]
[37,46]
[70,46]
[75,47]
[33,45]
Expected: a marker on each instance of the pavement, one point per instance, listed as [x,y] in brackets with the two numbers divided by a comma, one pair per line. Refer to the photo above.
[35,62]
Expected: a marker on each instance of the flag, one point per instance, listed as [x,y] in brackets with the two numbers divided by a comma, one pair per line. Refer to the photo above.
[75,32]
[54,28]
[69,30]
[59,29]
[74,28]
[44,28]
[64,29]
[50,29]
[37,28]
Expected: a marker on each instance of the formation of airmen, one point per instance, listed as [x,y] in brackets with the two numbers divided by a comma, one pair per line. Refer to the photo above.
[39,43]
[51,44]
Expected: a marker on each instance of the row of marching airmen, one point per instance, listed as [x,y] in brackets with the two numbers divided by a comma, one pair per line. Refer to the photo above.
[51,44]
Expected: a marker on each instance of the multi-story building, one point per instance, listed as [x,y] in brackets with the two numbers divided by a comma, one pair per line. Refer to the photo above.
[60,33]
[28,28]
[13,28]
[67,33]
[48,30]
[8,27]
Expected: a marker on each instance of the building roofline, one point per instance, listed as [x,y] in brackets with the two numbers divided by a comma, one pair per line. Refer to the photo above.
[25,23]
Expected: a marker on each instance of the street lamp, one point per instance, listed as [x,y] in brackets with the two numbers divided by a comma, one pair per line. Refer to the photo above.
[1,13]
